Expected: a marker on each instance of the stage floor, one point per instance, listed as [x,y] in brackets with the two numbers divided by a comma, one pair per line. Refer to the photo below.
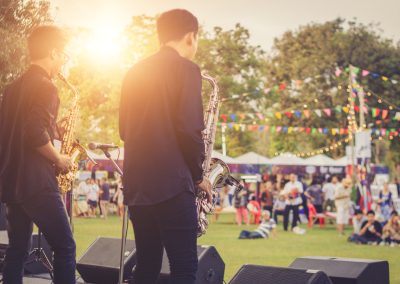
[41,279]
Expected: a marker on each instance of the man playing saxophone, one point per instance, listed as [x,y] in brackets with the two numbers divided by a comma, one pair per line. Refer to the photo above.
[28,160]
[161,123]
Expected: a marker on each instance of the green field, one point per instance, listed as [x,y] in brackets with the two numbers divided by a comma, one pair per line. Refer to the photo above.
[275,252]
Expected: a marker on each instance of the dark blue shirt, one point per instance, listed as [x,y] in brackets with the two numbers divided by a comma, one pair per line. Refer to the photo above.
[161,124]
[27,121]
[105,188]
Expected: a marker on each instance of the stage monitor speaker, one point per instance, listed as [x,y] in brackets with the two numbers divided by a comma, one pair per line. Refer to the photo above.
[211,267]
[31,266]
[100,263]
[347,270]
[256,274]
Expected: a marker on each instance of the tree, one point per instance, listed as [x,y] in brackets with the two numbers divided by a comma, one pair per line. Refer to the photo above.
[17,19]
[313,52]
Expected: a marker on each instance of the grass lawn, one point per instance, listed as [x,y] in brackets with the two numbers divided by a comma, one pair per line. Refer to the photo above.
[275,252]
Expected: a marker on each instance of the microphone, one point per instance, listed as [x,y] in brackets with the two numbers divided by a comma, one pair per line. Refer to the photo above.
[93,146]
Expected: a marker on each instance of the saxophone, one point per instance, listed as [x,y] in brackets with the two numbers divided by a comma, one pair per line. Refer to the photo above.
[69,145]
[214,169]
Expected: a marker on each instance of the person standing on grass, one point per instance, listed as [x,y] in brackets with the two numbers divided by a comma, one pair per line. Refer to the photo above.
[342,203]
[241,199]
[92,197]
[385,202]
[328,190]
[104,197]
[292,194]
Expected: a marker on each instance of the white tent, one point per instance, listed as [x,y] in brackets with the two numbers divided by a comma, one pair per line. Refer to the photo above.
[252,158]
[288,159]
[320,160]
[341,162]
[226,159]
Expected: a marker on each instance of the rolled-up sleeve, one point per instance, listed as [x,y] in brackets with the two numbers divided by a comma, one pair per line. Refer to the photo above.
[191,120]
[40,116]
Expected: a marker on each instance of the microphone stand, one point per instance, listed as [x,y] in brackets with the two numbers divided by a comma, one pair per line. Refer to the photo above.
[124,222]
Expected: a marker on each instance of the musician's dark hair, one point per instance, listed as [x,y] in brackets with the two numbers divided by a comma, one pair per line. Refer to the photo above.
[174,24]
[43,39]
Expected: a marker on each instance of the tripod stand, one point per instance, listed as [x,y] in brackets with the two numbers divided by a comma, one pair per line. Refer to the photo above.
[39,256]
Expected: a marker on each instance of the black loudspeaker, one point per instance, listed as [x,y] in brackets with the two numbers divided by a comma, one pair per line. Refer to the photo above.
[31,267]
[347,270]
[211,267]
[100,263]
[255,274]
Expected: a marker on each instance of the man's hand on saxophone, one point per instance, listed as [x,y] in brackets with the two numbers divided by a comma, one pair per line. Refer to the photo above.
[64,164]
[205,186]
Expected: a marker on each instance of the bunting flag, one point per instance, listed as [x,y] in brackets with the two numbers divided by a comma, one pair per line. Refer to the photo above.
[392,132]
[328,111]
[385,112]
[375,113]
[364,73]
[289,114]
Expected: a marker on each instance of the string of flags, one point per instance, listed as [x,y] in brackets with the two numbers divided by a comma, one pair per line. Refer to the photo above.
[307,113]
[295,129]
[326,149]
[364,73]
[297,85]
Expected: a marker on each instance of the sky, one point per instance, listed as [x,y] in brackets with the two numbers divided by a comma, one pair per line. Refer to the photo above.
[265,19]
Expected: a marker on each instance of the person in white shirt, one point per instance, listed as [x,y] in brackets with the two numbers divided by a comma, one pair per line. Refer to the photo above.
[292,193]
[264,230]
[329,194]
[342,203]
[82,208]
[93,197]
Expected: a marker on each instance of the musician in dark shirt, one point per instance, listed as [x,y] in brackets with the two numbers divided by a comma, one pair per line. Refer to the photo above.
[28,160]
[161,123]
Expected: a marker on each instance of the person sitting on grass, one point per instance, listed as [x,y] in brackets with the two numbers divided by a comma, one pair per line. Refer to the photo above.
[264,230]
[391,231]
[371,230]
[357,220]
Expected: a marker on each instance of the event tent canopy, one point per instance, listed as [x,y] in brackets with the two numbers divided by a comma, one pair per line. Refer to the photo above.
[288,159]
[226,159]
[320,160]
[252,158]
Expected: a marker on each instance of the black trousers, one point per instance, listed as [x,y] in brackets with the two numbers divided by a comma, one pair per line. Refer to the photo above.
[288,208]
[48,212]
[172,225]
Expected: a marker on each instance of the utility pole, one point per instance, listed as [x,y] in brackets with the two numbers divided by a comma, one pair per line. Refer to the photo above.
[223,127]
[352,126]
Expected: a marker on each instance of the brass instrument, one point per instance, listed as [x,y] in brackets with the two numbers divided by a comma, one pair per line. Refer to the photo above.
[214,169]
[69,145]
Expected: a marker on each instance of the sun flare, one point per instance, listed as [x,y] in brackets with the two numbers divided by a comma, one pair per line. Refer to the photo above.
[102,43]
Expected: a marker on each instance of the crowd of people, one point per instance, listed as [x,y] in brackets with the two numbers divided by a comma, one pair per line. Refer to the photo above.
[297,199]
[97,197]
[278,197]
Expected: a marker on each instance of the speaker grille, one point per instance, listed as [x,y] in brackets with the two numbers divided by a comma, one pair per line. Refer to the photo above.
[255,274]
